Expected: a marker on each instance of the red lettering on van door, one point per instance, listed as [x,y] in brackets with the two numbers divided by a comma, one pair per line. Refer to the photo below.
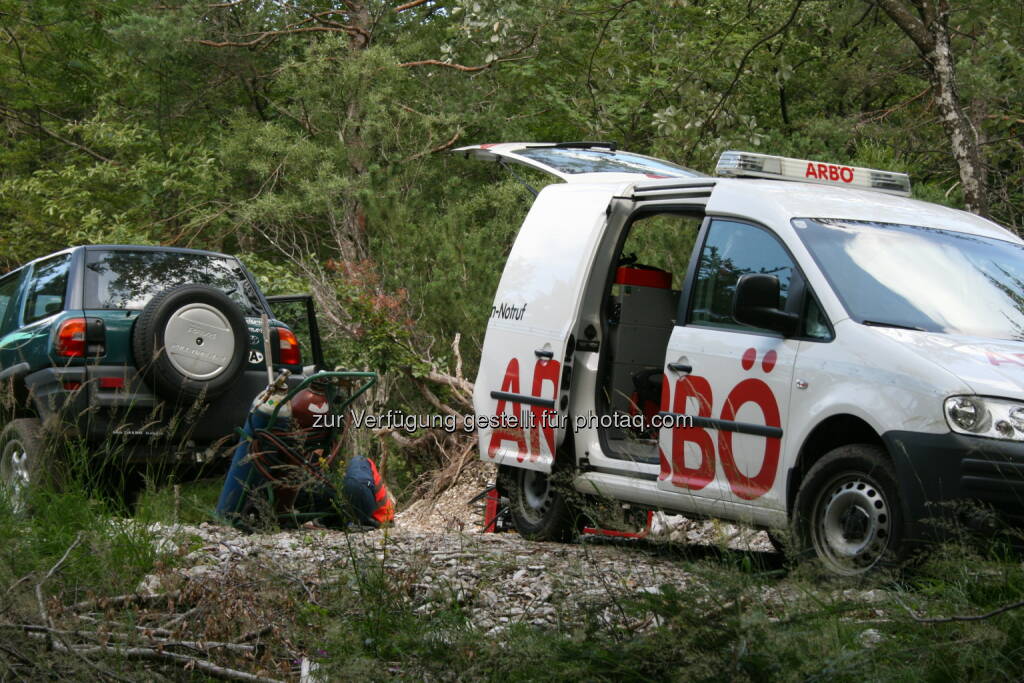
[756,391]
[544,418]
[499,435]
[693,478]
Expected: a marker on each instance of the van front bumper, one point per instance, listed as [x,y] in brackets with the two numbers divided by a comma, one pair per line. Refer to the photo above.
[936,471]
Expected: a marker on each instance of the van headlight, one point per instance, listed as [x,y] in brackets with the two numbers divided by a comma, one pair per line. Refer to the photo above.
[983,416]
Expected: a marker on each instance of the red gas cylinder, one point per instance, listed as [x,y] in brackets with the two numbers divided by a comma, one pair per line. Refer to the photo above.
[643,276]
[311,406]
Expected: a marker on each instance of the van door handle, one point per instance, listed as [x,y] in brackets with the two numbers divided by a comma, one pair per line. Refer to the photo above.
[544,353]
[680,367]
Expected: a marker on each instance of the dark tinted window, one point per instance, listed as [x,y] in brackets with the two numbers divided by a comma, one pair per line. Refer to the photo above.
[47,288]
[732,250]
[597,161]
[129,279]
[8,290]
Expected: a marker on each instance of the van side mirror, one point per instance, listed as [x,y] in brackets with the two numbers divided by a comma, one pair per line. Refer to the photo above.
[756,302]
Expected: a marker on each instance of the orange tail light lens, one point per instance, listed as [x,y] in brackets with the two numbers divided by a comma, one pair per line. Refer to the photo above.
[70,341]
[288,348]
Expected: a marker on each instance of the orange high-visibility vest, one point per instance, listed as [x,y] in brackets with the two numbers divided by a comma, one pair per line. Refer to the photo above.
[385,512]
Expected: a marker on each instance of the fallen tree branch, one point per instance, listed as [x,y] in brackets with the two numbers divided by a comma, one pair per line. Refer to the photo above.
[139,599]
[209,668]
[43,612]
[960,617]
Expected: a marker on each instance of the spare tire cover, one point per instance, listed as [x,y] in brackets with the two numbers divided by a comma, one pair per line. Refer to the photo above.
[190,342]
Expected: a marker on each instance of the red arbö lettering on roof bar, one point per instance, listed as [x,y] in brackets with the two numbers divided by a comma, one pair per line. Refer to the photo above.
[829,172]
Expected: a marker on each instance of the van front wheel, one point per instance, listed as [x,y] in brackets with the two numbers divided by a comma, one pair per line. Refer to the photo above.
[848,511]
[538,505]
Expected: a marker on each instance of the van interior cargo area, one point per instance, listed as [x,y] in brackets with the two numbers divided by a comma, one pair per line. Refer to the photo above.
[643,306]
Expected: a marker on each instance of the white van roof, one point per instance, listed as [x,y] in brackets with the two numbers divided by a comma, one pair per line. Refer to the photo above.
[784,200]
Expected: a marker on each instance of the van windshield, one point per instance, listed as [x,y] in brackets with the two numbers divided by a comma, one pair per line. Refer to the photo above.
[129,279]
[921,278]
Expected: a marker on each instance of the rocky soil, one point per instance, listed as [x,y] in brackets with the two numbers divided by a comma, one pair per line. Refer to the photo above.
[438,556]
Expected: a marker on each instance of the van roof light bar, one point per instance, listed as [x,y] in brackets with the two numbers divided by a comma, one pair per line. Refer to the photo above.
[752,165]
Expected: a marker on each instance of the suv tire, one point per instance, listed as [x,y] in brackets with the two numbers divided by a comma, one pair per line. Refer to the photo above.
[190,342]
[849,512]
[26,461]
[538,505]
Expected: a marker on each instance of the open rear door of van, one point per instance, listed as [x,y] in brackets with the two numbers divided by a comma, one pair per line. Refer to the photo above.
[578,162]
[522,389]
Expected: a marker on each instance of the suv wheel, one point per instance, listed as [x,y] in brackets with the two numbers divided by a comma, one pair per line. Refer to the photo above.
[849,511]
[25,461]
[538,505]
[190,342]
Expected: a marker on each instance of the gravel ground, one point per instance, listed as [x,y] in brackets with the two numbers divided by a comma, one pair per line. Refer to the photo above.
[437,555]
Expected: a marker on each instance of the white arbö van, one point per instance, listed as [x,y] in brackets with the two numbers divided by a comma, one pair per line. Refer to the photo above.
[791,344]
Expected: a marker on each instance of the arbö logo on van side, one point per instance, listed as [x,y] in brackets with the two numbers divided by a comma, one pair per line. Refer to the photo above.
[749,390]
[506,311]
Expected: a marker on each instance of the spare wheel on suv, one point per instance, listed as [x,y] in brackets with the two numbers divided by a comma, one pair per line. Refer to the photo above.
[190,342]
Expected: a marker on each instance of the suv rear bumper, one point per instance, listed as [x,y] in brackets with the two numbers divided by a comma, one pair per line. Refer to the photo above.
[154,427]
[935,470]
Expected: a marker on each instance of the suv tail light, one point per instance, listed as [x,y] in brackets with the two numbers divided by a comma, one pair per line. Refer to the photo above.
[70,342]
[288,348]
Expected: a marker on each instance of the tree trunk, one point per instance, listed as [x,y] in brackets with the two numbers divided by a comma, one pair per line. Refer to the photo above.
[962,135]
[929,29]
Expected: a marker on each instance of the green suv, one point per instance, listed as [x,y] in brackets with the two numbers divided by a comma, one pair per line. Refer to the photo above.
[147,354]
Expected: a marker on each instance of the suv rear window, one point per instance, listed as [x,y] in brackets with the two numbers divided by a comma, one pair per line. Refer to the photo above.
[119,279]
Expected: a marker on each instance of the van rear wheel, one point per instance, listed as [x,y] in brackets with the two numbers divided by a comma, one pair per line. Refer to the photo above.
[848,511]
[538,505]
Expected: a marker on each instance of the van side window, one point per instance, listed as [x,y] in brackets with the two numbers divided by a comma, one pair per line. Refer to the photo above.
[731,250]
[815,322]
[8,290]
[47,288]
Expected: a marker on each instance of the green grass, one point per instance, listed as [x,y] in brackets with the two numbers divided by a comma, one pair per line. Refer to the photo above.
[193,503]
[111,555]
